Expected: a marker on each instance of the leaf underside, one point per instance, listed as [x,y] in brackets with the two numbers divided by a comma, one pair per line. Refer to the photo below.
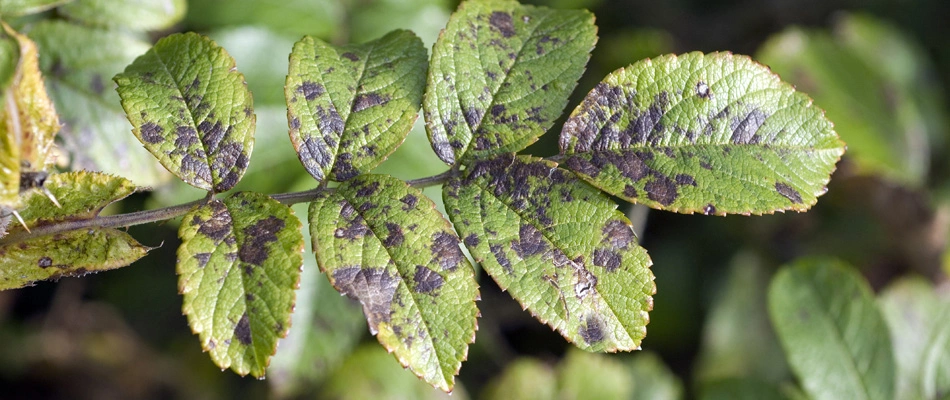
[191,109]
[558,246]
[500,76]
[350,107]
[384,244]
[238,266]
[714,134]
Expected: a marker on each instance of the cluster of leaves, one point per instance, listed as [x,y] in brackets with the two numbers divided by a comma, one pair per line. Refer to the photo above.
[697,133]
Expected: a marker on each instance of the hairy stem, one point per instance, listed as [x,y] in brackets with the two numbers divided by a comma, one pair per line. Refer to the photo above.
[162,214]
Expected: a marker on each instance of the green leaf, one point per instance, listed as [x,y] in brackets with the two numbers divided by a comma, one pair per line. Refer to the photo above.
[74,253]
[592,376]
[326,328]
[713,133]
[652,379]
[145,15]
[501,74]
[370,373]
[238,265]
[919,322]
[383,243]
[425,18]
[350,107]
[744,388]
[17,8]
[322,19]
[262,55]
[833,334]
[9,146]
[523,379]
[81,194]
[558,246]
[869,110]
[77,62]
[191,109]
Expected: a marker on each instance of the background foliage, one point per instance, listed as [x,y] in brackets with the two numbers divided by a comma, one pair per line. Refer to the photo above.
[121,334]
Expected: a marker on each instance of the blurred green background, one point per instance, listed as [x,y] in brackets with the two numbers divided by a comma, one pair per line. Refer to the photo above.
[880,69]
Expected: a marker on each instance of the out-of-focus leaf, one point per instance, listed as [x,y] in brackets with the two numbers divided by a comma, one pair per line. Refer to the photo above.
[350,107]
[74,253]
[326,328]
[558,246]
[617,49]
[239,265]
[744,388]
[262,55]
[78,62]
[425,18]
[738,340]
[652,379]
[16,8]
[834,336]
[865,106]
[583,375]
[501,74]
[383,243]
[146,15]
[9,146]
[919,322]
[370,373]
[191,109]
[711,133]
[320,18]
[523,379]
[81,195]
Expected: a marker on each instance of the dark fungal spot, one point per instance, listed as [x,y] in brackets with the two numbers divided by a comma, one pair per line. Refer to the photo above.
[619,234]
[472,240]
[45,262]
[395,237]
[218,226]
[446,251]
[213,134]
[185,136]
[502,259]
[743,131]
[582,166]
[310,90]
[497,110]
[684,179]
[372,287]
[473,117]
[709,209]
[427,281]
[607,259]
[367,190]
[705,165]
[242,331]
[350,56]
[253,250]
[152,133]
[531,242]
[295,123]
[593,330]
[32,179]
[789,192]
[630,192]
[662,190]
[249,297]
[410,202]
[202,259]
[329,121]
[503,23]
[703,91]
[367,100]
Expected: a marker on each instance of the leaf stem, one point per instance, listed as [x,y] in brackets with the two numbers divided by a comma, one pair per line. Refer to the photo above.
[161,214]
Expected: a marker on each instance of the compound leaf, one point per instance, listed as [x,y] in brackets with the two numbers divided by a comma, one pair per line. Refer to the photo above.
[350,107]
[81,194]
[833,334]
[501,74]
[74,253]
[713,133]
[191,109]
[78,62]
[558,246]
[145,15]
[383,243]
[239,265]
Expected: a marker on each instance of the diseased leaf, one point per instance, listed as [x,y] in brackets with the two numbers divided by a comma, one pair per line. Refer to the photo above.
[238,266]
[501,74]
[81,195]
[383,243]
[16,8]
[9,146]
[350,107]
[652,379]
[558,246]
[523,379]
[714,133]
[919,322]
[145,15]
[370,373]
[833,334]
[74,253]
[191,109]
[77,62]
